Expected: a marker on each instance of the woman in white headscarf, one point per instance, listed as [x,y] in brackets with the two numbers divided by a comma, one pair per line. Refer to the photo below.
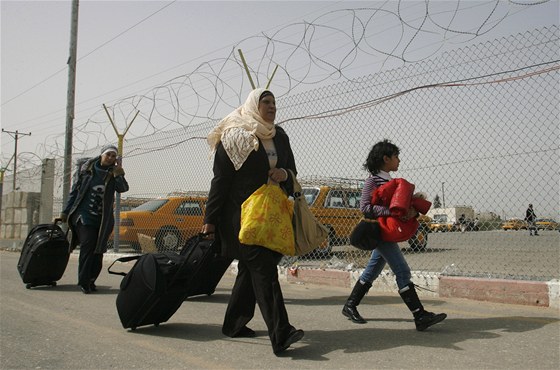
[249,152]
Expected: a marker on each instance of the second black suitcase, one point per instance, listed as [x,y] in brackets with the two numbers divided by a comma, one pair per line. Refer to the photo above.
[211,265]
[158,283]
[44,256]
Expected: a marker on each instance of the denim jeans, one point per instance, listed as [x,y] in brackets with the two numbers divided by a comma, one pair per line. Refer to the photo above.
[387,252]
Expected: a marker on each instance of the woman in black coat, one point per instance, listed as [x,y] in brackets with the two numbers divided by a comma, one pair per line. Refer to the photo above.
[89,212]
[249,152]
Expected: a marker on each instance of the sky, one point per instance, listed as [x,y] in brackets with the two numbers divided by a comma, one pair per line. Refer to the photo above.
[176,62]
[129,48]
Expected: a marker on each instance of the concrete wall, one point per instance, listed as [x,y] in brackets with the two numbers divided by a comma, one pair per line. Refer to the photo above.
[20,212]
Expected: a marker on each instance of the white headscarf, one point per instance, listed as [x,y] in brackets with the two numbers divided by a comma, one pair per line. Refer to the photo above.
[239,130]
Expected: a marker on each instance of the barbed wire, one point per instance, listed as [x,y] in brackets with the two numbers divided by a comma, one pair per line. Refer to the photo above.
[326,49]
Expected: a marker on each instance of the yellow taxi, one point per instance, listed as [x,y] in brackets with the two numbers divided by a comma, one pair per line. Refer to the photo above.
[514,224]
[171,221]
[338,208]
[547,224]
[440,223]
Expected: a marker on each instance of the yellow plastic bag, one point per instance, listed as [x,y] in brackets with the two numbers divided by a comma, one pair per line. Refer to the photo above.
[266,220]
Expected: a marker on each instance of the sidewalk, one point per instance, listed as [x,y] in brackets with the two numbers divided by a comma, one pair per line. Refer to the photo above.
[49,327]
[520,292]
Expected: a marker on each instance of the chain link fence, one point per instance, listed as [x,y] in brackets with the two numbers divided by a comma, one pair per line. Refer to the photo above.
[478,130]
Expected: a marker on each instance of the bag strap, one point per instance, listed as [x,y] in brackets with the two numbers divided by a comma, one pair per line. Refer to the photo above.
[122,259]
[296,184]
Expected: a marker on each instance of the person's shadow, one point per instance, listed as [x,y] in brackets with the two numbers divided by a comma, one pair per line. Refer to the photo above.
[448,334]
[317,344]
[368,337]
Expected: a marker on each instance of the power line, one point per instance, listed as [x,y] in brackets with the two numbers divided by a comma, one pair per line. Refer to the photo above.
[89,53]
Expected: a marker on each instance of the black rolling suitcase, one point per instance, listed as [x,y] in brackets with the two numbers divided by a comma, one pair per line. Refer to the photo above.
[152,291]
[158,283]
[44,255]
[212,265]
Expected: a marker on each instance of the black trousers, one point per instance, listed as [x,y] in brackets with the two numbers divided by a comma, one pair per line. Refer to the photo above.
[257,281]
[89,262]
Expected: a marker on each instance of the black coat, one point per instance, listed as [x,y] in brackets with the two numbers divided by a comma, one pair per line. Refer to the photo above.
[230,188]
[82,178]
[530,215]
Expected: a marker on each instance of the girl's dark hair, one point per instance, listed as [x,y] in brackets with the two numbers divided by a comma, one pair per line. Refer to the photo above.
[374,160]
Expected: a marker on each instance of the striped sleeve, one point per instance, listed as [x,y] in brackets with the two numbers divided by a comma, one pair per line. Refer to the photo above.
[369,210]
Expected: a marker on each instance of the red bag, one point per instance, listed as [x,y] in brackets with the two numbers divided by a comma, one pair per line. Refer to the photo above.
[395,230]
[383,194]
[397,196]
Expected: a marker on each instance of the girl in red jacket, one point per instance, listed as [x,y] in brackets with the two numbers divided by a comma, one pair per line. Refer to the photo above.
[382,159]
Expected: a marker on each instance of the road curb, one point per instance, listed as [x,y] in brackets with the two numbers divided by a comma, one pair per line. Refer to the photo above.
[533,293]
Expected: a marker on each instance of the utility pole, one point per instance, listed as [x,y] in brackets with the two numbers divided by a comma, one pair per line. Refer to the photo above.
[70,96]
[443,193]
[15,134]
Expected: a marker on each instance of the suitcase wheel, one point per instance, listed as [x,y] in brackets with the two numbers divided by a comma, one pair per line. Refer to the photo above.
[28,286]
[156,324]
[53,283]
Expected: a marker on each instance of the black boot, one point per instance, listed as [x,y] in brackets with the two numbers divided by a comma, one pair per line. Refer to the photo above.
[422,318]
[350,307]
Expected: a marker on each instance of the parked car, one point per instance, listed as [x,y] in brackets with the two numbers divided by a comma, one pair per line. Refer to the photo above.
[440,223]
[547,224]
[514,224]
[338,208]
[171,221]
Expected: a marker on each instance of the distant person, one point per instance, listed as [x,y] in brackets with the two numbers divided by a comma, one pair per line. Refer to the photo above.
[89,212]
[476,224]
[531,217]
[463,223]
[250,151]
[382,159]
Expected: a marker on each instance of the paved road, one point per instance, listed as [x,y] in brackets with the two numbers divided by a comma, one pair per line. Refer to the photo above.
[60,328]
[491,254]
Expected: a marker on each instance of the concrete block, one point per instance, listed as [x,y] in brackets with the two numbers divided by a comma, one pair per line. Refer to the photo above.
[319,277]
[2,231]
[17,216]
[9,231]
[17,232]
[29,199]
[534,293]
[9,215]
[25,216]
[24,231]
[385,282]
[17,198]
[23,199]
[554,293]
[9,200]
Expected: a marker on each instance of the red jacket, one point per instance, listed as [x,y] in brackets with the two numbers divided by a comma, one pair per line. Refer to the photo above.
[397,195]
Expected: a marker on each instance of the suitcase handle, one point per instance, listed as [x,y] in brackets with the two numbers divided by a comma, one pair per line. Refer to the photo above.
[122,259]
